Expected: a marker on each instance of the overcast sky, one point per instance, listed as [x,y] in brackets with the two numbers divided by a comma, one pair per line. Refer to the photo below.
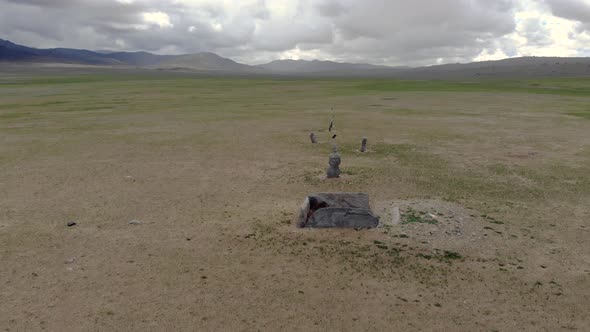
[393,32]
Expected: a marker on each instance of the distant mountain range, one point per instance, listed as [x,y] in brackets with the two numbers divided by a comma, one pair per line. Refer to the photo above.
[10,52]
[210,62]
[315,66]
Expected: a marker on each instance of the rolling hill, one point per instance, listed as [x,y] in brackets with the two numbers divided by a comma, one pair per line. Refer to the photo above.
[203,61]
[10,52]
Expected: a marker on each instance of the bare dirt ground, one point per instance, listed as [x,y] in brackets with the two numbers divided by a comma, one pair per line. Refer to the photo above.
[214,171]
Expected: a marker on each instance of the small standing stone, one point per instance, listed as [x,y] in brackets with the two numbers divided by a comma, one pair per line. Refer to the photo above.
[334,169]
[71,223]
[395,215]
[364,145]
[313,139]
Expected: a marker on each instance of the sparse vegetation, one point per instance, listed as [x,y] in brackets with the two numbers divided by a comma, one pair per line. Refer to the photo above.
[412,216]
[225,162]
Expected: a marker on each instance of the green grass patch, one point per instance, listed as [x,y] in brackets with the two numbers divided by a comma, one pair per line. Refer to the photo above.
[380,245]
[412,216]
[548,86]
[451,255]
[15,115]
[582,114]
[444,256]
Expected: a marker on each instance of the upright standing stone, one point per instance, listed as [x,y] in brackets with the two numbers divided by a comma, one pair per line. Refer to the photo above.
[364,145]
[395,215]
[334,169]
[313,139]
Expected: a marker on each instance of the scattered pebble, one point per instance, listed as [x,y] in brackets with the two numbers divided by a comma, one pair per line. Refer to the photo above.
[71,223]
[135,222]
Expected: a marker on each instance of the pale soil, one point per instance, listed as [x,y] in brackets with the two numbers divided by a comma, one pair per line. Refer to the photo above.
[217,192]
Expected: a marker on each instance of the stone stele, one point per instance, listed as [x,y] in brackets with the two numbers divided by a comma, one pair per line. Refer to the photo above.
[337,210]
[333,171]
[364,144]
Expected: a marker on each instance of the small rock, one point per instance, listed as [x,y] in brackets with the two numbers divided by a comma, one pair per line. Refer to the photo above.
[135,222]
[71,223]
[313,138]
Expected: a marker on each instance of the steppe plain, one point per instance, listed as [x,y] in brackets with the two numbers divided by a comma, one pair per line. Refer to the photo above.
[213,169]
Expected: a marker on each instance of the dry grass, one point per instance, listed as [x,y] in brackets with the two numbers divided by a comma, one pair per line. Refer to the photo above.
[216,168]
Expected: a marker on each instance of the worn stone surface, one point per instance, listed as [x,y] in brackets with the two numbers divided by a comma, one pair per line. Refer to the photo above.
[364,144]
[334,162]
[343,218]
[313,138]
[339,199]
[337,210]
[304,213]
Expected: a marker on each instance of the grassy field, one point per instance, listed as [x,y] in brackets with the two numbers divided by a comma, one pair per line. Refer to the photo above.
[215,169]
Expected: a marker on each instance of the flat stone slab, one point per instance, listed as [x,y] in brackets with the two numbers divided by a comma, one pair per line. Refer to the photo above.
[337,210]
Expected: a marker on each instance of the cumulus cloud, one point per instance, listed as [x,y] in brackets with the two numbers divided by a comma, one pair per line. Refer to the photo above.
[395,32]
[574,10]
[160,19]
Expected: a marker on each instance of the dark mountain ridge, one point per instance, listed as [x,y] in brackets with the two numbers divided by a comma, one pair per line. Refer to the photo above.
[205,61]
[10,52]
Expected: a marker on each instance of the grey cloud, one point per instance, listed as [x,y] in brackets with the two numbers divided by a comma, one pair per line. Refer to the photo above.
[422,31]
[280,36]
[379,31]
[536,32]
[577,10]
[260,10]
[331,9]
[103,23]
